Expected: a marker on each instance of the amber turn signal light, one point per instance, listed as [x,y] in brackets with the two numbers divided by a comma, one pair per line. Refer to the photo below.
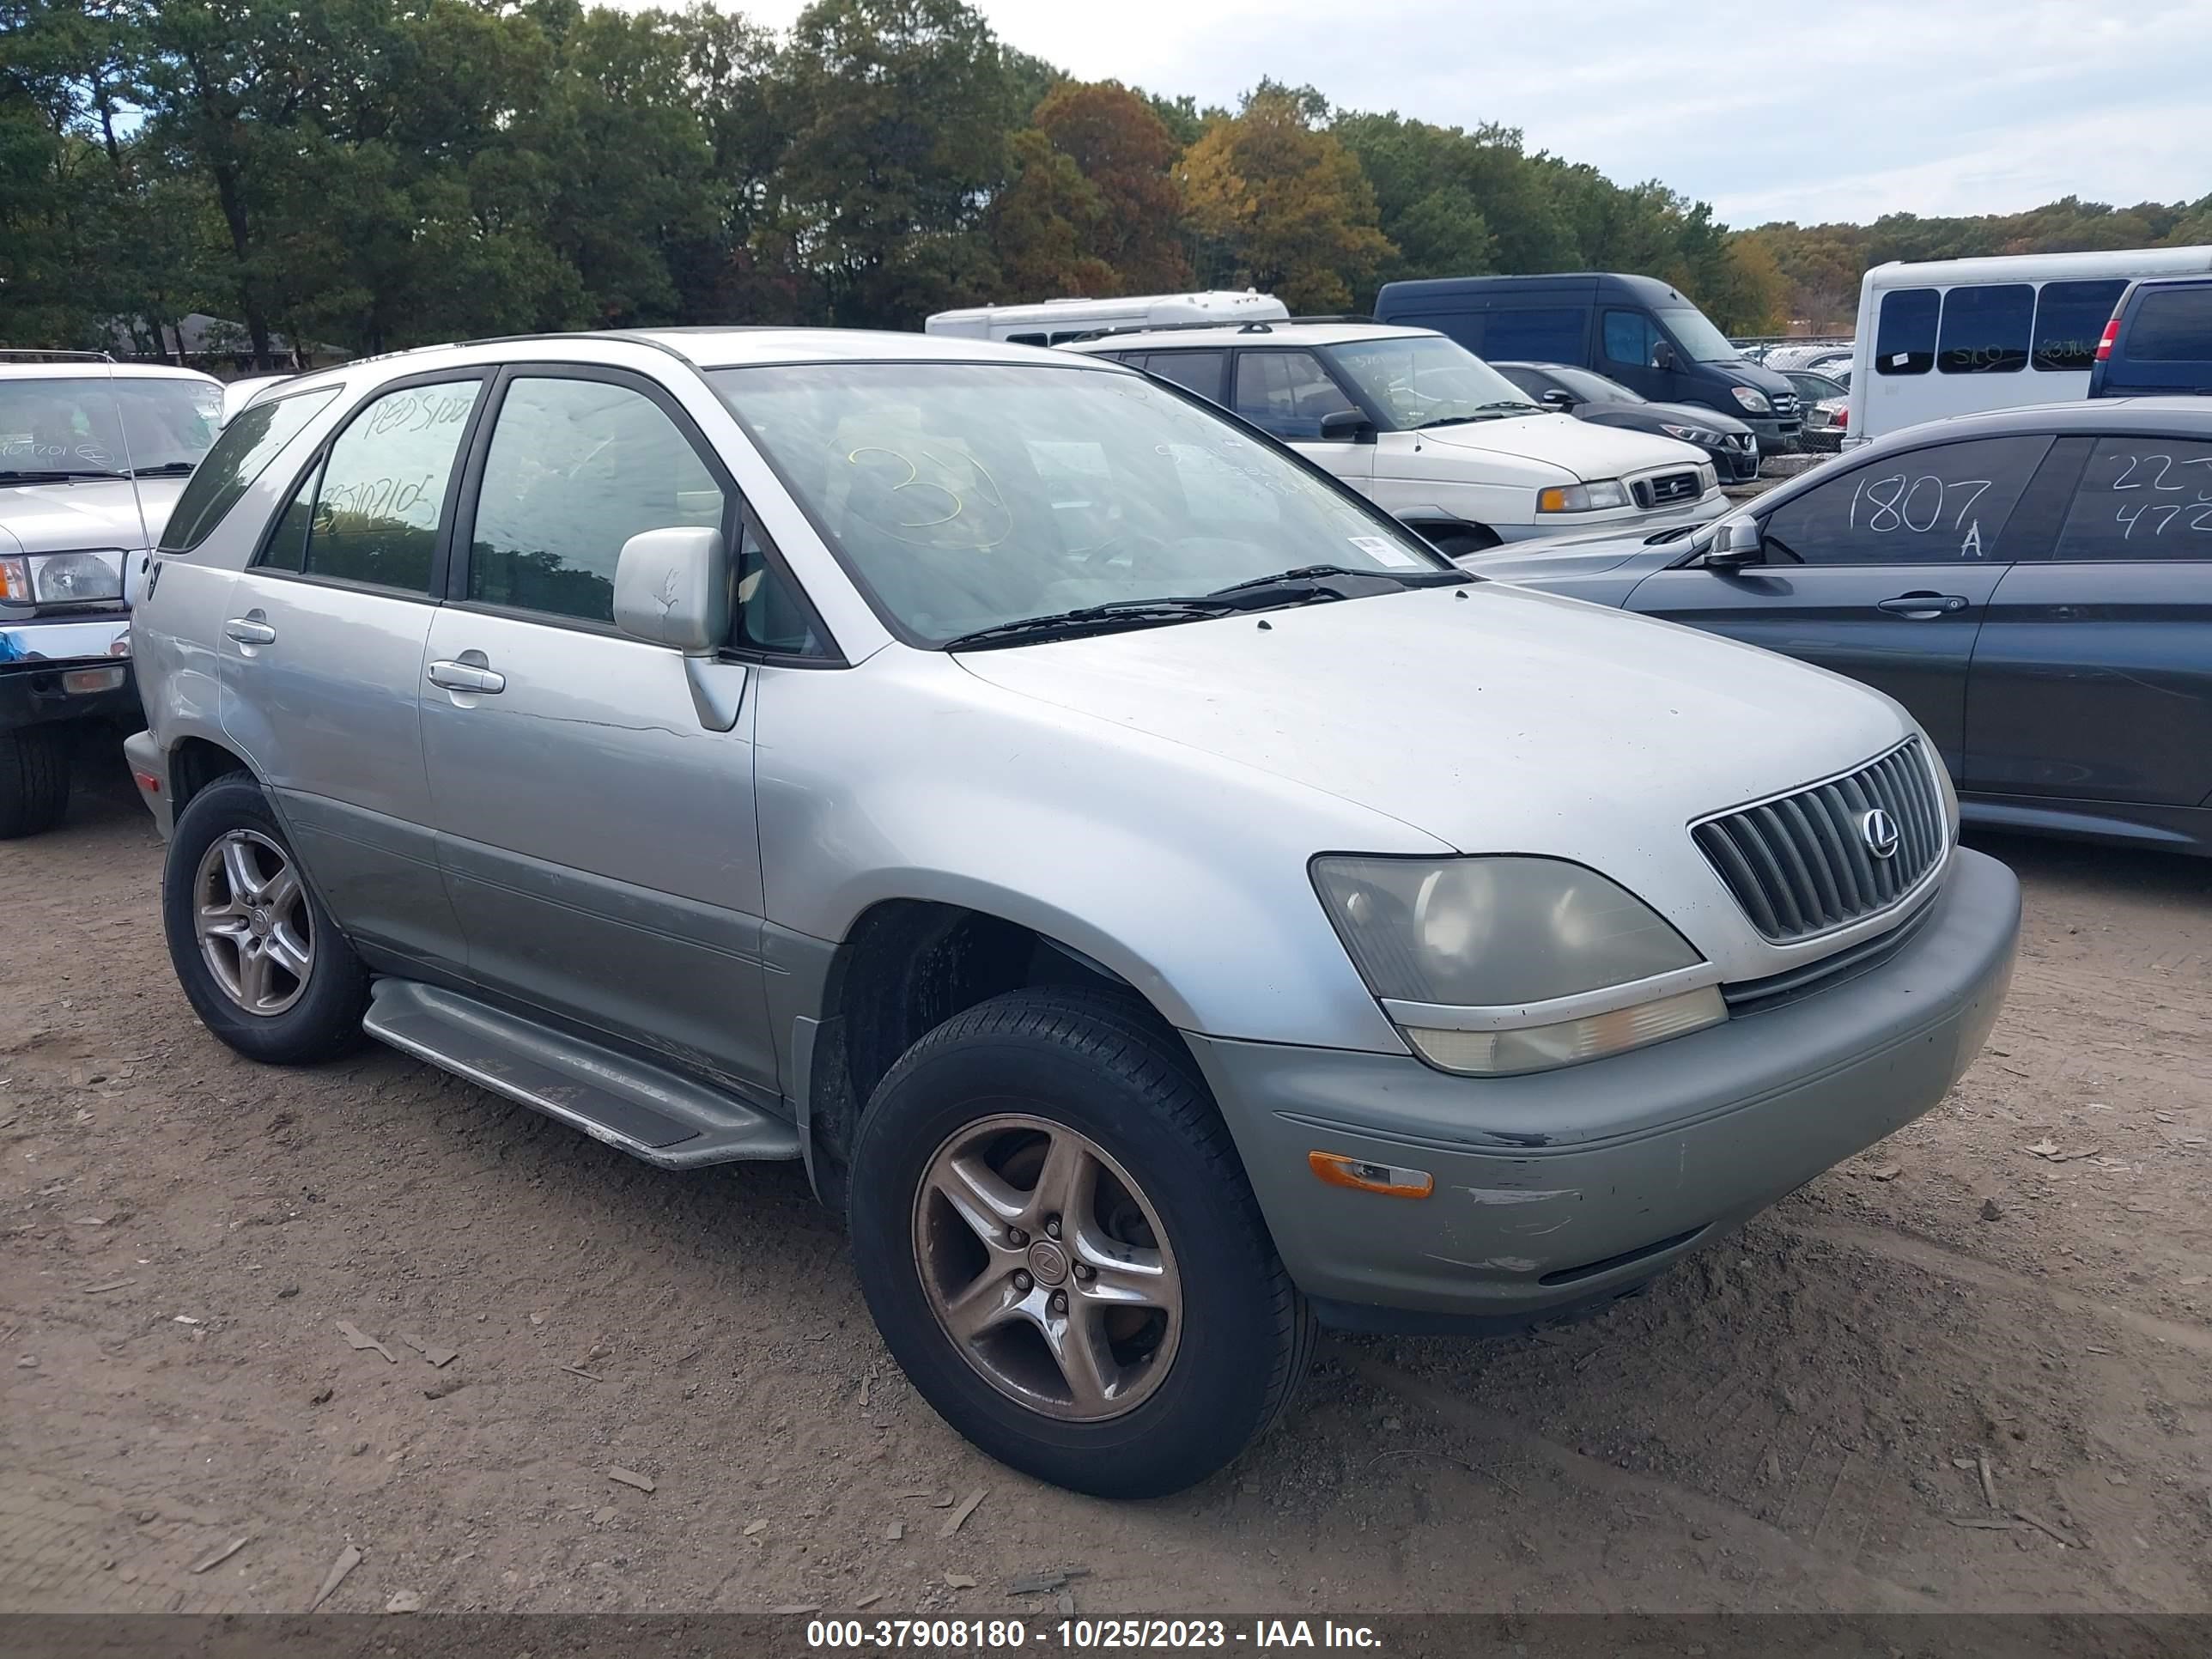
[1360,1176]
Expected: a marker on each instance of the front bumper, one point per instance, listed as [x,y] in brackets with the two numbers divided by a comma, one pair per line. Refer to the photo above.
[66,671]
[1776,433]
[1573,1186]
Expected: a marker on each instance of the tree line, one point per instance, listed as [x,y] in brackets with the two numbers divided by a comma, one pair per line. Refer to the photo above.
[378,174]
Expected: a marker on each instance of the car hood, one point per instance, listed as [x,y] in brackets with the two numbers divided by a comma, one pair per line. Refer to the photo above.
[95,513]
[1679,414]
[1578,447]
[1503,720]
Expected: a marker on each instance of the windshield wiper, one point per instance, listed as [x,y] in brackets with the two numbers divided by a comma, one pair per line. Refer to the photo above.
[55,475]
[167,470]
[1476,414]
[1091,619]
[1308,576]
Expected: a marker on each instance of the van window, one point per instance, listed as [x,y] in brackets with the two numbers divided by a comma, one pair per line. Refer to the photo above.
[1985,328]
[2172,326]
[1287,392]
[1630,338]
[1025,339]
[2069,321]
[1904,335]
[1546,334]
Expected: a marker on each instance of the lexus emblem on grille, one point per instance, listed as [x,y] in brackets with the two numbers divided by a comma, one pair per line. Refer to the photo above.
[1878,831]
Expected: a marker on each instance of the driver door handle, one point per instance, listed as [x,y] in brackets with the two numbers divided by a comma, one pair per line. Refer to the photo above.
[1923,604]
[467,677]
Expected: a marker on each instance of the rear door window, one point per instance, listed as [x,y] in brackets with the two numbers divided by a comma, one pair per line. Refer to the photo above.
[1931,506]
[371,511]
[2069,321]
[1986,328]
[1195,370]
[2171,325]
[2139,500]
[1905,332]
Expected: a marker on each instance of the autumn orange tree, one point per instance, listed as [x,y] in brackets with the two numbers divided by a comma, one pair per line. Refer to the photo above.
[1278,204]
[1125,150]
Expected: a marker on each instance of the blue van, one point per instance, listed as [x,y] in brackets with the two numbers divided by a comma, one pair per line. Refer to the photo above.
[2159,342]
[1635,329]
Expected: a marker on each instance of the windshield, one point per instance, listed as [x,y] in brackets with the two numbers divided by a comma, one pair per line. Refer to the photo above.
[84,424]
[1419,379]
[1694,332]
[1594,388]
[961,497]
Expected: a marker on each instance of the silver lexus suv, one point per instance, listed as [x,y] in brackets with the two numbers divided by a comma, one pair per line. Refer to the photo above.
[1165,905]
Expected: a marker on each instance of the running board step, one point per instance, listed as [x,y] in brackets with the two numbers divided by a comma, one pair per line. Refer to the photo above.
[641,1109]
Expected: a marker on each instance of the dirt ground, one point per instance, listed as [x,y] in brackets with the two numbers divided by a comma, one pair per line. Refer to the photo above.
[1792,1421]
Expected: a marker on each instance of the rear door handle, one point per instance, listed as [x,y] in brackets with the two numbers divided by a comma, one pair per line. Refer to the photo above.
[1923,604]
[467,677]
[249,631]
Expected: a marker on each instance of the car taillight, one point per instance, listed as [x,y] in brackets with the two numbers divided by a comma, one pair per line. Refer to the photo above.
[2105,345]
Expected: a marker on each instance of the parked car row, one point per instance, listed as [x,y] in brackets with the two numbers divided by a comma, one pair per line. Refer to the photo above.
[1165,904]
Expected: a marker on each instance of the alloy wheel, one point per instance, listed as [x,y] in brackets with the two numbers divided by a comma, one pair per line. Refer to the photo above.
[250,916]
[1047,1265]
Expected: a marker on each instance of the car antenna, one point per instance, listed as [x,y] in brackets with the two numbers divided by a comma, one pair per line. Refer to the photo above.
[130,471]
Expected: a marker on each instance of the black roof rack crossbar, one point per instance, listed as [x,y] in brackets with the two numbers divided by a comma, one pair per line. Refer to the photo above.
[1262,326]
[1338,317]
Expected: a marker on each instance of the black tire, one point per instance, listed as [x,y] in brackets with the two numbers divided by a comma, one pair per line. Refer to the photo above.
[35,780]
[1109,1072]
[325,1020]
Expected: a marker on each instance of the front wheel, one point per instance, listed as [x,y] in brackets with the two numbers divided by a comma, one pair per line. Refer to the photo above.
[265,968]
[1060,1249]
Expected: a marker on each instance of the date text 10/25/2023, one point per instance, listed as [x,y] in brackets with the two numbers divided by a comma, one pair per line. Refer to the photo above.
[989,1635]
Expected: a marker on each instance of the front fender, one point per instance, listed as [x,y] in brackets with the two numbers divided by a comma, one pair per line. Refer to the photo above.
[1183,873]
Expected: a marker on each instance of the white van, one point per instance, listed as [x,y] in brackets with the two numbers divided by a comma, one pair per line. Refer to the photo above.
[1055,322]
[1956,337]
[1428,431]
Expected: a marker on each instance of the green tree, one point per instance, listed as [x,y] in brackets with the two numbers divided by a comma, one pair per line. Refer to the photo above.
[1281,204]
[898,112]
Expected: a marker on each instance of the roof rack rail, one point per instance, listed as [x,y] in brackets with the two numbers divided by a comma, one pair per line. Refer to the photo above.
[1263,326]
[40,355]
[1338,317]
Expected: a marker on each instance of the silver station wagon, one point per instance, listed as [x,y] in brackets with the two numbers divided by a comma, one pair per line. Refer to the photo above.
[1166,905]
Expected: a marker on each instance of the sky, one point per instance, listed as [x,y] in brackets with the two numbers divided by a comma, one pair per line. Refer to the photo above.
[1841,110]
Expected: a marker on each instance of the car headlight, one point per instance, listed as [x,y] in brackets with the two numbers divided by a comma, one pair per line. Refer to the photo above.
[1583,497]
[1753,400]
[1709,478]
[61,578]
[1690,434]
[1495,965]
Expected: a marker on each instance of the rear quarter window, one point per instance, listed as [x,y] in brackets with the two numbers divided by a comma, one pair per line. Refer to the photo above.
[2141,499]
[240,454]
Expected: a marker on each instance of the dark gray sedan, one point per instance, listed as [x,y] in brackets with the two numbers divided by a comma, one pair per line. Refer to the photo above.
[2035,585]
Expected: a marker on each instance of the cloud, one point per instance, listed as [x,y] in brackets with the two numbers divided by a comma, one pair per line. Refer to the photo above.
[1804,113]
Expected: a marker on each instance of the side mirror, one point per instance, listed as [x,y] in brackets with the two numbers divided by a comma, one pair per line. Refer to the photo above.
[1346,426]
[672,588]
[1739,544]
[1558,398]
[1662,355]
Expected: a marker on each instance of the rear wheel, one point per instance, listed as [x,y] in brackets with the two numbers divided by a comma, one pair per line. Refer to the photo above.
[35,780]
[265,968]
[1060,1249]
